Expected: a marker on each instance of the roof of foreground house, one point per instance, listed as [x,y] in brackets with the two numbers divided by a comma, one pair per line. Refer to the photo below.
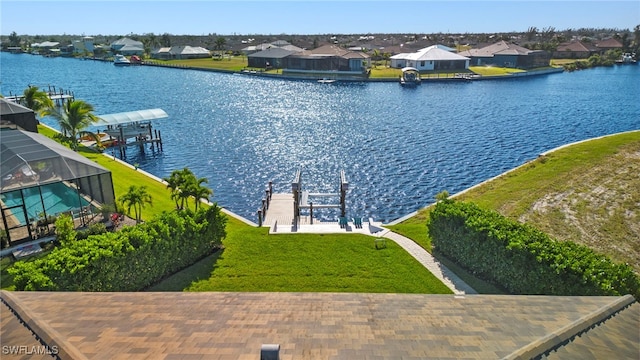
[208,325]
[433,53]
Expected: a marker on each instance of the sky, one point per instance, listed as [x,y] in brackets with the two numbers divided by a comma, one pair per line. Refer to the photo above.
[302,17]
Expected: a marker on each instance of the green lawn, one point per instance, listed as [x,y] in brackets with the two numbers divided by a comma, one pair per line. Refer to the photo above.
[252,260]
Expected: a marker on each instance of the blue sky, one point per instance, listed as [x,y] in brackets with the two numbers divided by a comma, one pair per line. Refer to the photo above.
[308,17]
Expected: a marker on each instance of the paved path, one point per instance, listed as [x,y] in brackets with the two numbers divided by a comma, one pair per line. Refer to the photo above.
[451,280]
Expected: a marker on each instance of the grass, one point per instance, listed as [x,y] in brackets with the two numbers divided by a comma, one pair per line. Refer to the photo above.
[493,71]
[586,193]
[252,260]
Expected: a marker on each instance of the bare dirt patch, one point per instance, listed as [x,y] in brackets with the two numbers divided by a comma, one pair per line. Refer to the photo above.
[599,207]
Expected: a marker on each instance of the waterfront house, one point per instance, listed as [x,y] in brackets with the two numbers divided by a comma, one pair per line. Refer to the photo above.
[85,45]
[328,58]
[508,55]
[47,48]
[270,58]
[435,57]
[126,46]
[15,115]
[42,179]
[575,50]
[180,52]
[609,44]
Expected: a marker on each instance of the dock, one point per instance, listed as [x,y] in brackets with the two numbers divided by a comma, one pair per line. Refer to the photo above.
[283,212]
[59,96]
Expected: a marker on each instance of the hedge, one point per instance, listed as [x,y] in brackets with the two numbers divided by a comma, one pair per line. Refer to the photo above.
[128,260]
[521,258]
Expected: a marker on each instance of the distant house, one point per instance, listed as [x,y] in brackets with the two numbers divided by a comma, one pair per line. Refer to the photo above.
[435,57]
[609,44]
[329,58]
[505,54]
[276,44]
[126,46]
[180,52]
[575,50]
[84,45]
[271,57]
[47,48]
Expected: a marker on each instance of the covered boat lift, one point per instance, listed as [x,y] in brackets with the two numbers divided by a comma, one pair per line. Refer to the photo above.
[133,125]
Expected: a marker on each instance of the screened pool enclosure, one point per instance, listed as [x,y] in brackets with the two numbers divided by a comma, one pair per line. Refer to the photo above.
[42,179]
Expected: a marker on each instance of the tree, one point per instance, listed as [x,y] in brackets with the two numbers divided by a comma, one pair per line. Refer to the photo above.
[14,39]
[184,185]
[220,43]
[73,118]
[199,192]
[37,100]
[136,197]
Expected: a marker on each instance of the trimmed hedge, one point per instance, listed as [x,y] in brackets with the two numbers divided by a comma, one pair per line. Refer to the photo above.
[128,260]
[521,258]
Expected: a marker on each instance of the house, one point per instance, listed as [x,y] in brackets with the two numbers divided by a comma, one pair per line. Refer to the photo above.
[126,46]
[509,55]
[83,46]
[331,58]
[435,57]
[276,44]
[47,48]
[12,115]
[180,52]
[575,50]
[305,325]
[42,179]
[270,58]
[609,44]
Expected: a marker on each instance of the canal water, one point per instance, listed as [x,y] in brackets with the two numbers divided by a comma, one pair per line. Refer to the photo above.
[398,146]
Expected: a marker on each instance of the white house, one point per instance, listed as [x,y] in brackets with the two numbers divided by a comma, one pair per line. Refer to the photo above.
[431,58]
[126,46]
[180,52]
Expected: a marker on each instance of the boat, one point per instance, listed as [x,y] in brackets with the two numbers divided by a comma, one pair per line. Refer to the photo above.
[121,60]
[410,77]
[627,58]
[326,81]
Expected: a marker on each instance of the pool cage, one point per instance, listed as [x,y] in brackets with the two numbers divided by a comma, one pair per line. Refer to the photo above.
[40,180]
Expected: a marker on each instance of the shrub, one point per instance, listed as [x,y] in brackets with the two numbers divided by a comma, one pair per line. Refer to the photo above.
[521,258]
[129,260]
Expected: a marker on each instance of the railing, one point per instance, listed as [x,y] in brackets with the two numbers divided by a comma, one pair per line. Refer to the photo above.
[262,211]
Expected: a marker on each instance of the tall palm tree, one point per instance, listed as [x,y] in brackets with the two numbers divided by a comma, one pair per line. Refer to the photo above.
[136,197]
[73,117]
[37,100]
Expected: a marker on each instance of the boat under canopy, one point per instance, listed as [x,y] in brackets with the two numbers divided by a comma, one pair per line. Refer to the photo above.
[130,124]
[132,116]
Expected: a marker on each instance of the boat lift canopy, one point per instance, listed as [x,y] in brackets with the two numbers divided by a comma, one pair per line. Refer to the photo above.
[409,68]
[132,117]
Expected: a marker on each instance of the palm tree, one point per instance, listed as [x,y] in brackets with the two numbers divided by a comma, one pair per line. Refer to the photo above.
[176,182]
[37,100]
[73,118]
[220,43]
[198,191]
[136,197]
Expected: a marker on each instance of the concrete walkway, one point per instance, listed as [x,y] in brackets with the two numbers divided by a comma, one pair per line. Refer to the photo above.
[451,280]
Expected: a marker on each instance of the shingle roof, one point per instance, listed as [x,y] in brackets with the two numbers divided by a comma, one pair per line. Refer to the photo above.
[273,53]
[431,53]
[576,46]
[326,325]
[499,48]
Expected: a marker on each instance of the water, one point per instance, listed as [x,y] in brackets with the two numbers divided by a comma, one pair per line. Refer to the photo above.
[57,198]
[399,147]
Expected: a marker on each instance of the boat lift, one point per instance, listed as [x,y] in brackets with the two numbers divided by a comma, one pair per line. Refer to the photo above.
[133,124]
[302,197]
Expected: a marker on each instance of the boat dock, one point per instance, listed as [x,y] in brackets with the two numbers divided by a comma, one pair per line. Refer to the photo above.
[59,96]
[294,212]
